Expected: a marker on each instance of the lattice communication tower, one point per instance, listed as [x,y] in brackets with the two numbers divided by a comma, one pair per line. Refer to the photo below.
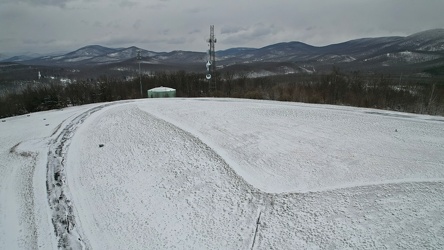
[211,63]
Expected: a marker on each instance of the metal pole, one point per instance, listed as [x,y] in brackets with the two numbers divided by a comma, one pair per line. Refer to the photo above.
[139,58]
[140,79]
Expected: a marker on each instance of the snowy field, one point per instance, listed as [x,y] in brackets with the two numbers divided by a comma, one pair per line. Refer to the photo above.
[221,174]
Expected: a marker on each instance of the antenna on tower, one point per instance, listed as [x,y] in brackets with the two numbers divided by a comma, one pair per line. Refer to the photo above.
[211,63]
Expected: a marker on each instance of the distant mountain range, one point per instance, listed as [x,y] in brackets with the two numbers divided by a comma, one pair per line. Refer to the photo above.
[414,53]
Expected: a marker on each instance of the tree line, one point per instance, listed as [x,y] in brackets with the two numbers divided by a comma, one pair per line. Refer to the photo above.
[352,89]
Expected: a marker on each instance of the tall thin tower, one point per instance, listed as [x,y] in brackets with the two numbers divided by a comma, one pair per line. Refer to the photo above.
[211,64]
[139,58]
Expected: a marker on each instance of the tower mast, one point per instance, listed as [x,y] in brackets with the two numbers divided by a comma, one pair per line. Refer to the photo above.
[211,64]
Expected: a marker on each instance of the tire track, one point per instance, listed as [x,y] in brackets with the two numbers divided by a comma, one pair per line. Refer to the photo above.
[69,236]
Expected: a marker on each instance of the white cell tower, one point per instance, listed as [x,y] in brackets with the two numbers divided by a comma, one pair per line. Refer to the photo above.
[211,64]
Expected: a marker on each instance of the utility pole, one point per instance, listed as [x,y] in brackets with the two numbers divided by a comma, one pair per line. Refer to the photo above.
[139,58]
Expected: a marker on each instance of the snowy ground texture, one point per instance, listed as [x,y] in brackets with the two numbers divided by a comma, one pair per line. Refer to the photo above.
[221,174]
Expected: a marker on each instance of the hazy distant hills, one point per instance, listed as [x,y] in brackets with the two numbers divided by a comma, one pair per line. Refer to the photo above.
[414,53]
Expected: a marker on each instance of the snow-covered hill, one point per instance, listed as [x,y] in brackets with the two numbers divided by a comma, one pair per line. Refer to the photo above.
[429,40]
[221,174]
[92,55]
[358,54]
[426,47]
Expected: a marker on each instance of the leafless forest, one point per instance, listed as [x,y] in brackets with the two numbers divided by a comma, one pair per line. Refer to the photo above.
[381,91]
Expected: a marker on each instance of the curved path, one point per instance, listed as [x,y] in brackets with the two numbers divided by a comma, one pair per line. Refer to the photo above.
[62,211]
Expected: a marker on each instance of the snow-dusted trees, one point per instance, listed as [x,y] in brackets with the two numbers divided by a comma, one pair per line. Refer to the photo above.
[353,89]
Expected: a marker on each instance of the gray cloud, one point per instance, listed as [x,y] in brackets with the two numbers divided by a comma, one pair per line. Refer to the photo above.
[175,41]
[165,25]
[194,31]
[195,10]
[137,24]
[243,35]
[232,30]
[57,3]
[98,24]
[39,42]
[156,6]
[128,4]
[163,32]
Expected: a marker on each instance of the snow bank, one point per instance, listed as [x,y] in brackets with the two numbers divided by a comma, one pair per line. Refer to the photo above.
[25,220]
[154,186]
[293,147]
[221,174]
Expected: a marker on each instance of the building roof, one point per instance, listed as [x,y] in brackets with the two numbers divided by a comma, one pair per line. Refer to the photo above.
[162,89]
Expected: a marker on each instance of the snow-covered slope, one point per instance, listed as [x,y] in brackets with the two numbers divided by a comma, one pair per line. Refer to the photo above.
[285,147]
[222,174]
[92,55]
[429,40]
[24,213]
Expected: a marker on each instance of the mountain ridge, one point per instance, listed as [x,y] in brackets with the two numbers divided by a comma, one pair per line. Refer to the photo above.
[362,53]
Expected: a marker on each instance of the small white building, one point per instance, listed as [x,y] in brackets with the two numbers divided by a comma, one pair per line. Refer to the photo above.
[160,92]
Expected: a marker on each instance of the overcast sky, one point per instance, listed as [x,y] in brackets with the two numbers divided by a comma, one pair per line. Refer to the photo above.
[43,26]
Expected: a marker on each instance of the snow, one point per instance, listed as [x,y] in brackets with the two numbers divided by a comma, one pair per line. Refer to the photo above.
[305,69]
[260,73]
[290,147]
[336,58]
[78,59]
[58,57]
[221,174]
[162,89]
[24,215]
